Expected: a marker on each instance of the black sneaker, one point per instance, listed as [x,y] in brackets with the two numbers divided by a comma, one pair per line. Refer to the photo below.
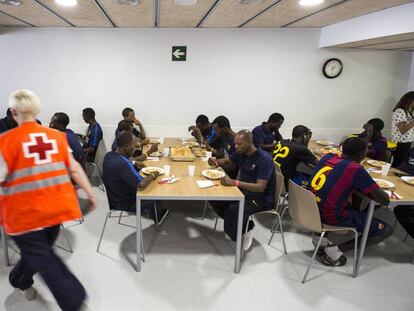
[328,261]
[162,215]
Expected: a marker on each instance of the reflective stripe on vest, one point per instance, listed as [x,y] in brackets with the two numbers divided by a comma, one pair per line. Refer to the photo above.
[34,185]
[44,168]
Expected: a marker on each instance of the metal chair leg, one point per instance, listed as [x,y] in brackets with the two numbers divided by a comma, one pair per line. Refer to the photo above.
[282,233]
[273,230]
[204,212]
[103,230]
[66,239]
[142,249]
[157,225]
[313,257]
[5,247]
[355,253]
[120,216]
[215,224]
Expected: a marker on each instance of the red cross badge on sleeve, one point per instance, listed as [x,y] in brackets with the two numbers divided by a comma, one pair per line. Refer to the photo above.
[40,148]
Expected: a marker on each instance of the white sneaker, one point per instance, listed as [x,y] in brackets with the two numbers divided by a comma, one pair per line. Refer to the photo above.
[226,236]
[28,294]
[248,240]
[84,307]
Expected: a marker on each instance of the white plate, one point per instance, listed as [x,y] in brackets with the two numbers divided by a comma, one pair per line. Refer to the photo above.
[191,143]
[220,174]
[408,179]
[154,141]
[325,143]
[384,184]
[149,169]
[156,154]
[376,163]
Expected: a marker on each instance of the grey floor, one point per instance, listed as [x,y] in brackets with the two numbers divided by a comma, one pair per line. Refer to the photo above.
[190,267]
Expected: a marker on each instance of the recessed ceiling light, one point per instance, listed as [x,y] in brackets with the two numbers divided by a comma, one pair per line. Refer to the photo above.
[250,1]
[185,2]
[310,2]
[67,2]
[127,2]
[10,2]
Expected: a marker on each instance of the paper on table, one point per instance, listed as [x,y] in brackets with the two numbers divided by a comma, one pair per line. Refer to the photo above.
[205,183]
[155,159]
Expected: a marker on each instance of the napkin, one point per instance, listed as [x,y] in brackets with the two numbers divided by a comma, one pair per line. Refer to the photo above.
[169,180]
[155,159]
[205,183]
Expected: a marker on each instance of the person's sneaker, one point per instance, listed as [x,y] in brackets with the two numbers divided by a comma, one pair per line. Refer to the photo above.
[315,240]
[227,236]
[248,240]
[28,294]
[84,307]
[162,215]
[328,261]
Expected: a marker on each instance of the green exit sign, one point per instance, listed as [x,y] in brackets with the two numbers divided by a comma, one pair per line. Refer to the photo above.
[179,53]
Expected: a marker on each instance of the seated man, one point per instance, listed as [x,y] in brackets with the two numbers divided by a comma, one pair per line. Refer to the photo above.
[122,180]
[267,134]
[129,115]
[405,214]
[60,121]
[377,144]
[203,131]
[257,181]
[224,145]
[138,155]
[94,134]
[8,122]
[333,181]
[289,153]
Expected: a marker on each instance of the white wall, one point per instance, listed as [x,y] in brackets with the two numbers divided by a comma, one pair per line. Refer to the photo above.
[245,74]
[411,79]
[392,21]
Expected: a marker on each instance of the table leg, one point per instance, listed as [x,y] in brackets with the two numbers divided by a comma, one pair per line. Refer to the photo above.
[239,236]
[138,211]
[364,237]
[4,245]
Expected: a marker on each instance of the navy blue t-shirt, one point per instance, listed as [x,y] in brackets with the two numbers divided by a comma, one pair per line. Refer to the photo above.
[262,136]
[408,165]
[74,144]
[93,136]
[121,181]
[257,166]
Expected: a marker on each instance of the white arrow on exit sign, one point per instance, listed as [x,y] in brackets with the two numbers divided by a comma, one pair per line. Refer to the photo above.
[177,53]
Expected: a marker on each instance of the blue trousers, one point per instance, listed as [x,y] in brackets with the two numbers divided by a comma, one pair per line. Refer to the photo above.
[37,256]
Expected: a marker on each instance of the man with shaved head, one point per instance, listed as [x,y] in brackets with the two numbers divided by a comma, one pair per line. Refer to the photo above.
[256,179]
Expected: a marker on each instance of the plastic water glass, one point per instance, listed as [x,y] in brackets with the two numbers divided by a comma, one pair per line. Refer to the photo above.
[167,169]
[191,170]
[209,154]
[385,168]
[166,152]
[161,140]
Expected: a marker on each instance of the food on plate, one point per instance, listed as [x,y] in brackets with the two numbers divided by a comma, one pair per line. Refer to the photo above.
[376,163]
[152,169]
[333,150]
[181,151]
[199,152]
[325,143]
[384,184]
[408,179]
[213,174]
[154,141]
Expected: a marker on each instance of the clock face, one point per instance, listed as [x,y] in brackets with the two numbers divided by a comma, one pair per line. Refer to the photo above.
[332,68]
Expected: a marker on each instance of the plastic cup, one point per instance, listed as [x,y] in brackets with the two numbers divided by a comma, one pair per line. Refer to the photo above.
[191,170]
[166,152]
[167,169]
[385,168]
[209,154]
[161,140]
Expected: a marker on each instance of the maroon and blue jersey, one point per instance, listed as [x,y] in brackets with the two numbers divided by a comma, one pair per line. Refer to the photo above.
[332,182]
[377,147]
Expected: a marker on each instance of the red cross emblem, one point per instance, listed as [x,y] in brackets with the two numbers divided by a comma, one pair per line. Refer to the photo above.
[40,148]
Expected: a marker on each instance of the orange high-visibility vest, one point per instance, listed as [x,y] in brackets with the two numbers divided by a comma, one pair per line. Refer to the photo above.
[37,191]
